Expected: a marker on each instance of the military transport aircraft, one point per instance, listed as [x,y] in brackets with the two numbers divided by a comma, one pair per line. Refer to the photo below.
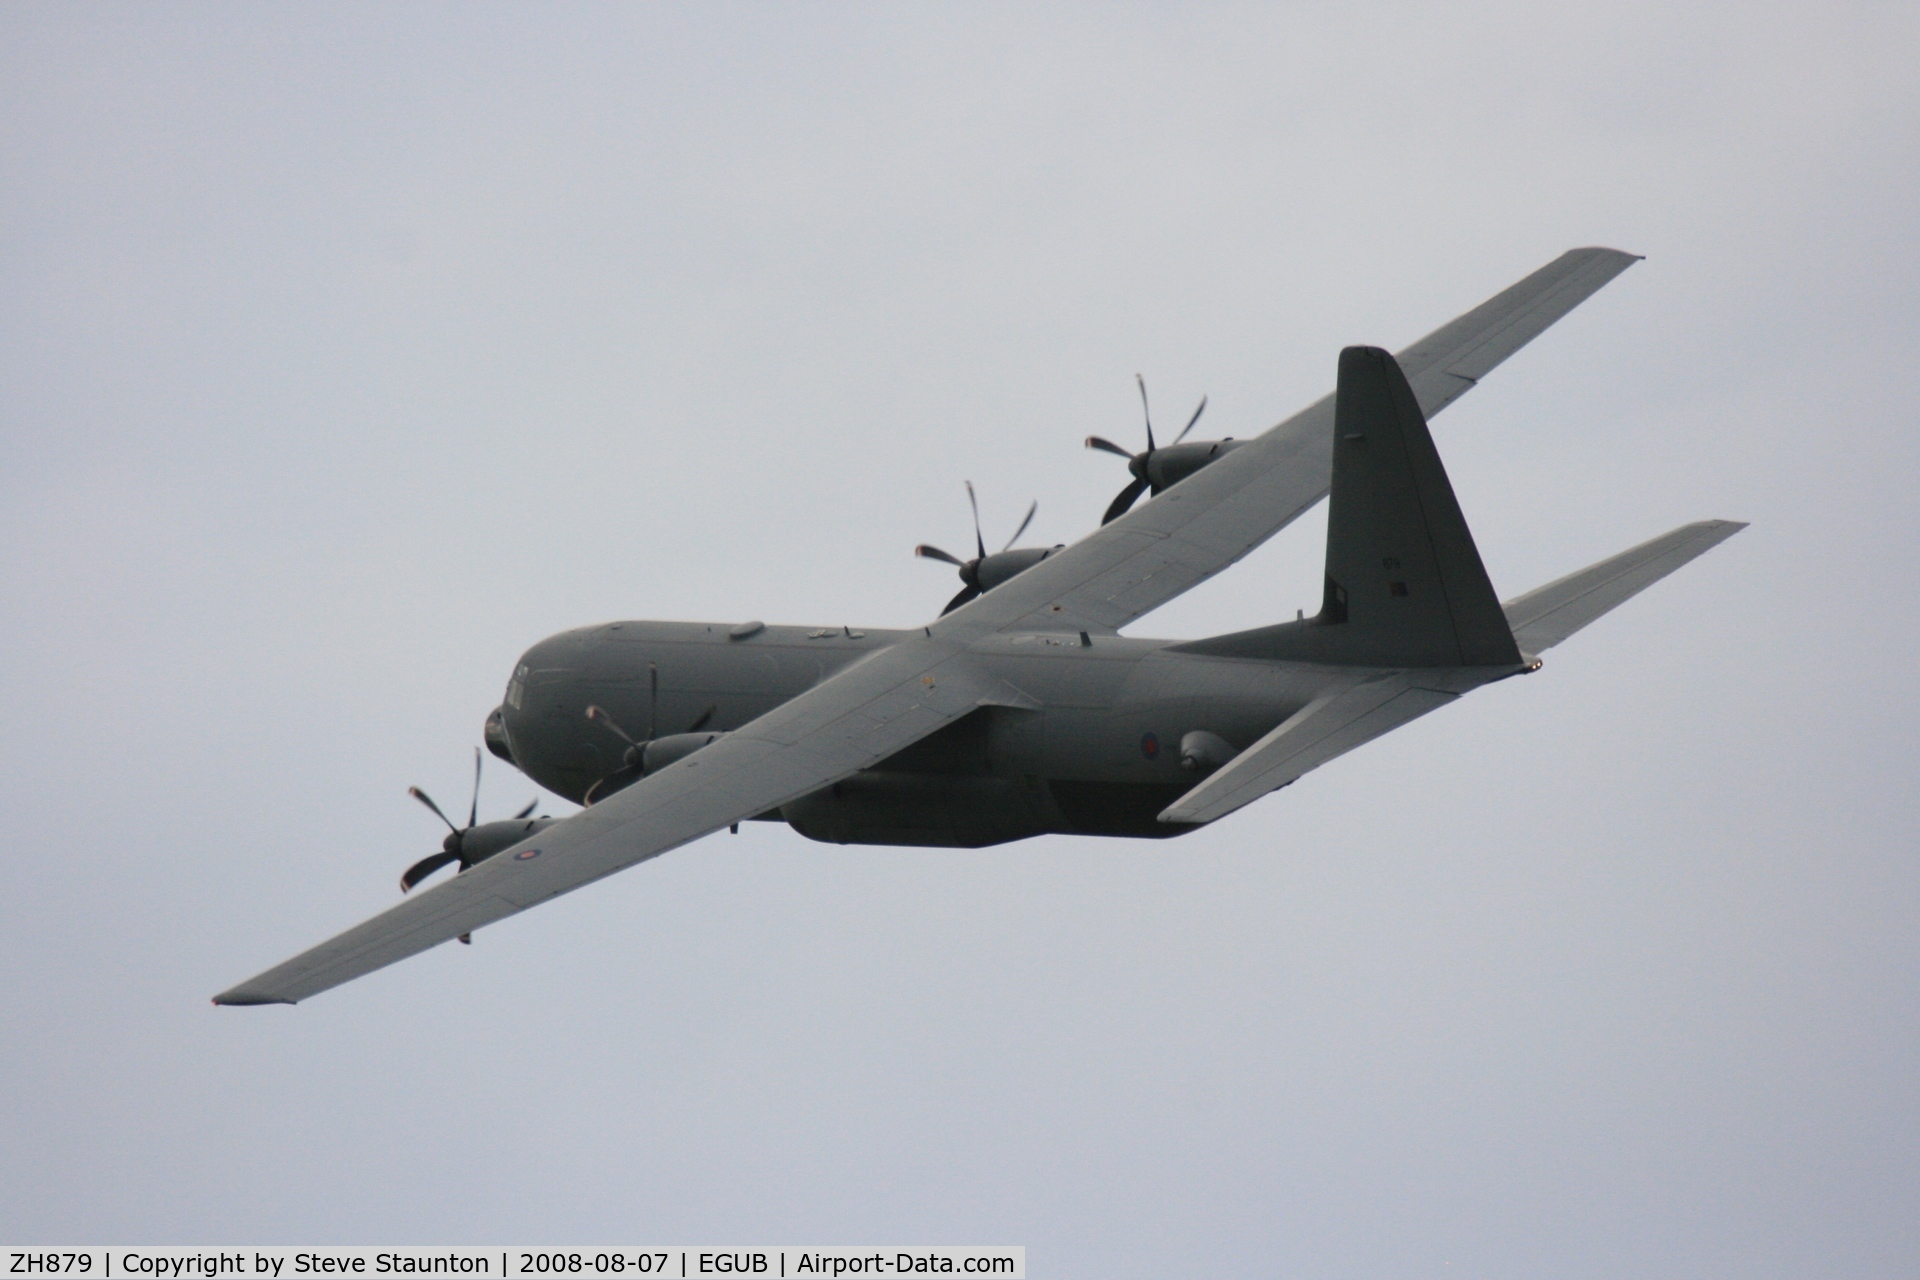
[1022,710]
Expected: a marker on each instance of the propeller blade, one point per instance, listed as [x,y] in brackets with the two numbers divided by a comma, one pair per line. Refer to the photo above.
[1101,442]
[1190,421]
[1146,412]
[621,777]
[473,810]
[1128,496]
[605,721]
[966,593]
[935,553]
[974,502]
[1023,526]
[653,702]
[531,806]
[700,721]
[420,870]
[427,800]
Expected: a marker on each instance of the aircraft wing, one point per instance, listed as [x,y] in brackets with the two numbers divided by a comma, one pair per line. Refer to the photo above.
[1214,517]
[860,716]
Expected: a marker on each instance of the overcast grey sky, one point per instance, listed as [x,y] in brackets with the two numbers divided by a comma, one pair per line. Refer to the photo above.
[346,351]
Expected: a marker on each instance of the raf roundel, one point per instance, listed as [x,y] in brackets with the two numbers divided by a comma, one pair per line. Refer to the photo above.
[1150,746]
[526,855]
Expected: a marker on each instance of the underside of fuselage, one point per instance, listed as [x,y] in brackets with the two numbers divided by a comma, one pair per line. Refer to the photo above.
[1099,756]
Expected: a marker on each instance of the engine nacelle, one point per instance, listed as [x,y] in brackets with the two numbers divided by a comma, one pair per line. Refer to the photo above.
[478,843]
[650,757]
[661,752]
[989,572]
[1170,464]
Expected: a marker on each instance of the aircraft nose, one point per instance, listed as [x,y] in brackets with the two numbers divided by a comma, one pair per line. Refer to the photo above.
[495,735]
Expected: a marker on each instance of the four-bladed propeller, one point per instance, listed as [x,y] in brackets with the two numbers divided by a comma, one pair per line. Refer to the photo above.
[460,845]
[1141,464]
[650,752]
[984,572]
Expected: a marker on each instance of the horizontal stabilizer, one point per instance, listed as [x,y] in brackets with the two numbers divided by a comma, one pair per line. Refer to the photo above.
[1547,615]
[1329,726]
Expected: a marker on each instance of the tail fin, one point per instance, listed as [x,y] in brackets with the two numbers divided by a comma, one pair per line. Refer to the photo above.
[1547,615]
[1402,570]
[1404,583]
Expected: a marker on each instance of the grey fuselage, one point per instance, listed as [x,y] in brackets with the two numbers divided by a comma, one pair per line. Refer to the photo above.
[1101,755]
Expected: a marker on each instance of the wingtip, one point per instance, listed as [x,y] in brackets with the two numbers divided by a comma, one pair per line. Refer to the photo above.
[242,998]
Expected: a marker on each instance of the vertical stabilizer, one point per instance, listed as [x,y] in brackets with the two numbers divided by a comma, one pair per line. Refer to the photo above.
[1401,565]
[1404,583]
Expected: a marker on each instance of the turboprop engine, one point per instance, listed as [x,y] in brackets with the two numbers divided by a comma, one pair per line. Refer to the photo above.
[985,572]
[656,754]
[655,751]
[1160,467]
[649,755]
[477,841]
